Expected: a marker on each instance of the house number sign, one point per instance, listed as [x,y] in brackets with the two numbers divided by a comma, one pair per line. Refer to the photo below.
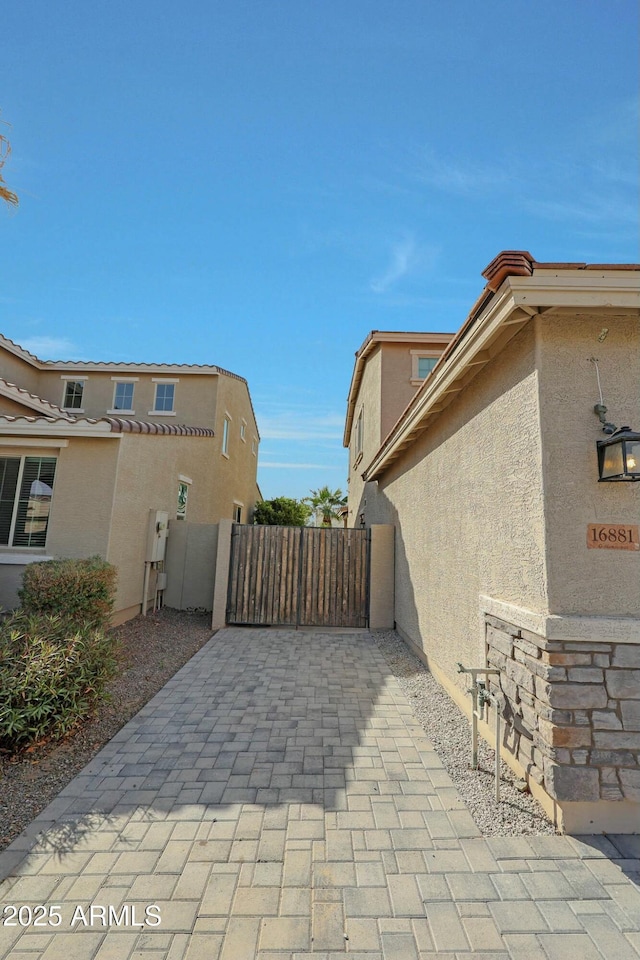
[613,536]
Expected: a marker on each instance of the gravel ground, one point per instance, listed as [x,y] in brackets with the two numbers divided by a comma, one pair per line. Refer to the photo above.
[151,650]
[517,813]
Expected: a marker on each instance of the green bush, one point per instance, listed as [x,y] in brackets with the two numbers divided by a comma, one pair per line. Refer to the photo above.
[51,672]
[79,590]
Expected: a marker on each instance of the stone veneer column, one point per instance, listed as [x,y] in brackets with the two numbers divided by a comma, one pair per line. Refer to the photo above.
[573,710]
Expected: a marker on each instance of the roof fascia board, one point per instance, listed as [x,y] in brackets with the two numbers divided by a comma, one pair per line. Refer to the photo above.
[97,367]
[55,430]
[588,290]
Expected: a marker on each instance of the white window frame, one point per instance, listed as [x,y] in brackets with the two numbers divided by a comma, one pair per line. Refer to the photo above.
[116,381]
[358,436]
[243,430]
[72,378]
[163,413]
[226,433]
[237,505]
[417,355]
[254,446]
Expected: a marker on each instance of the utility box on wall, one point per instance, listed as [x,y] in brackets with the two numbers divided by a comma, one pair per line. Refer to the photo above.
[157,532]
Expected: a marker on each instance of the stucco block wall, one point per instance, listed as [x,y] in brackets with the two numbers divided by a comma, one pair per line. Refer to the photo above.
[147,479]
[191,565]
[467,502]
[583,581]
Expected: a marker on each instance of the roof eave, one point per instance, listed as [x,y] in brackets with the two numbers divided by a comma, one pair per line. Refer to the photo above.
[498,317]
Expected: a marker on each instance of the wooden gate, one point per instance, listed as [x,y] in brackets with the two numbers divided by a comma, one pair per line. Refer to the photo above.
[298,576]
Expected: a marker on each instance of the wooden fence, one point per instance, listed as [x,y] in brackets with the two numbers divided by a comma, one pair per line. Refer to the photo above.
[298,576]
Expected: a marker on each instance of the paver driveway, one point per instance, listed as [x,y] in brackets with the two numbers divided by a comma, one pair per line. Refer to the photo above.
[276,800]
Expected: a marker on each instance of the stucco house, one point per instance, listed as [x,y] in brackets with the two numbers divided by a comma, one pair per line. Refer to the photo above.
[389,368]
[89,451]
[510,553]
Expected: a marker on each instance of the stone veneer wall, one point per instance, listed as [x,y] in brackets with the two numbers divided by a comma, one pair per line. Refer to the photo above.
[572,711]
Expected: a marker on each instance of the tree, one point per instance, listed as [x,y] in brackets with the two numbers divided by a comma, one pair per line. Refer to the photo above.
[326,504]
[282,511]
[5,194]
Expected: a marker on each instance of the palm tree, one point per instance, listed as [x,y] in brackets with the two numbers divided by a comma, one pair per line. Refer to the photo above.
[325,503]
[5,194]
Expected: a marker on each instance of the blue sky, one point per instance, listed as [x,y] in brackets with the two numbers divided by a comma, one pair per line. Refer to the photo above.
[260,183]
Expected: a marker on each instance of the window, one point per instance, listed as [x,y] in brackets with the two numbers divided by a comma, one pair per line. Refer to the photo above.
[237,513]
[425,366]
[254,447]
[123,396]
[225,436]
[164,397]
[73,390]
[183,495]
[422,363]
[243,430]
[359,434]
[26,488]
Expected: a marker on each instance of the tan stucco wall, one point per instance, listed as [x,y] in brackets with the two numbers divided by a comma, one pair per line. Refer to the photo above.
[195,394]
[397,385]
[583,581]
[369,400]
[9,408]
[235,474]
[82,498]
[469,496]
[18,371]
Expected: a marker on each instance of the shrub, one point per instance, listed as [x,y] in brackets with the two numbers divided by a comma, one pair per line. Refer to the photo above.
[79,590]
[282,511]
[51,672]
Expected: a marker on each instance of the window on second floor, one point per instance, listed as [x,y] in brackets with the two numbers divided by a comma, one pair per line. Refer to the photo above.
[422,364]
[165,394]
[73,391]
[425,366]
[225,436]
[123,396]
[359,434]
[26,488]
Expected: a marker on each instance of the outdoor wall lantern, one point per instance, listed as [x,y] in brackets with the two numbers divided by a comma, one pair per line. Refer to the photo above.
[619,456]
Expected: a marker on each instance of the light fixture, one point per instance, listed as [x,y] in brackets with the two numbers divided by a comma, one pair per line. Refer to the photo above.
[619,456]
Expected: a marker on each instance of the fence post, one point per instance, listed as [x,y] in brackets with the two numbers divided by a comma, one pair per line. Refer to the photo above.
[382,577]
[223,557]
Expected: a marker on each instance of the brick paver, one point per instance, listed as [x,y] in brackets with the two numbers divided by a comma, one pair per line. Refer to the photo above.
[278,801]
